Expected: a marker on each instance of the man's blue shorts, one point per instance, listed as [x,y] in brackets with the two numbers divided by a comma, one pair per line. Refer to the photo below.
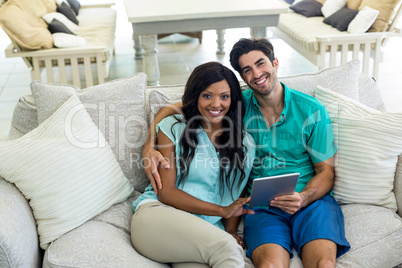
[322,219]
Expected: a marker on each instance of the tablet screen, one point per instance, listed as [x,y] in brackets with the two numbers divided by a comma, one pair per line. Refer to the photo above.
[265,189]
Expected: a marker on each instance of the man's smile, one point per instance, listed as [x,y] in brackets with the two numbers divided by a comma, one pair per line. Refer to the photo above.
[261,80]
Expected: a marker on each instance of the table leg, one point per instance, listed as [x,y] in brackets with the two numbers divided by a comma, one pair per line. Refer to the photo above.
[258,32]
[221,41]
[139,52]
[151,67]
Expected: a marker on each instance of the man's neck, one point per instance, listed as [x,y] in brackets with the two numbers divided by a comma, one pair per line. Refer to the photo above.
[272,105]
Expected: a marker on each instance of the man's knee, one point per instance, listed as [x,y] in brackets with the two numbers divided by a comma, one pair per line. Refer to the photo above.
[319,253]
[326,263]
[269,263]
[270,255]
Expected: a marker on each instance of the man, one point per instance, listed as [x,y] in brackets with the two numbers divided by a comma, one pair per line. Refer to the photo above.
[293,133]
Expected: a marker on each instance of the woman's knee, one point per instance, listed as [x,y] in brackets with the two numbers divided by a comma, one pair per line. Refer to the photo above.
[228,253]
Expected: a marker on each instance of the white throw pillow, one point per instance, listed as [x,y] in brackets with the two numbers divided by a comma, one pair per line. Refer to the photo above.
[68,40]
[60,2]
[363,20]
[332,6]
[370,93]
[369,143]
[49,17]
[398,184]
[66,169]
[296,1]
[118,109]
[342,79]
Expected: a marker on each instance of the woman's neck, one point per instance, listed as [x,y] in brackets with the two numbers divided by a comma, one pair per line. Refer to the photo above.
[213,131]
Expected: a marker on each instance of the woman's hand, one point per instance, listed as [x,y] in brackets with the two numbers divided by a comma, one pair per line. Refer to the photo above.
[238,238]
[236,208]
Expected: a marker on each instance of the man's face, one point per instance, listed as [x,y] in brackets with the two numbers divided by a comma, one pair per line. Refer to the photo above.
[258,72]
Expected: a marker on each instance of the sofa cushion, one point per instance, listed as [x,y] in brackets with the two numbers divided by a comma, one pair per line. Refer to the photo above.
[96,244]
[29,31]
[341,18]
[353,4]
[117,108]
[19,245]
[68,171]
[304,31]
[308,8]
[363,20]
[50,5]
[119,215]
[98,26]
[369,143]
[385,7]
[375,235]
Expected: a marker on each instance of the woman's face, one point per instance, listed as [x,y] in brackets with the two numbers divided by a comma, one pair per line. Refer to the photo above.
[214,103]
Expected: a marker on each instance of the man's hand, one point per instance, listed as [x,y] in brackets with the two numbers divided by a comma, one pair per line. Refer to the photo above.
[150,156]
[317,187]
[152,159]
[289,203]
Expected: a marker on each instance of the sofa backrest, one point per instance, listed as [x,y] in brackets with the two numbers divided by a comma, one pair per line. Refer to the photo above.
[344,79]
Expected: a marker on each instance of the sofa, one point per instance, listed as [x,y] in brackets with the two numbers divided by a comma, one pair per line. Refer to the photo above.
[59,43]
[332,32]
[86,229]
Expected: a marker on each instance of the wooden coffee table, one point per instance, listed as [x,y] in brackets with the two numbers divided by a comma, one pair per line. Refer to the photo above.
[152,17]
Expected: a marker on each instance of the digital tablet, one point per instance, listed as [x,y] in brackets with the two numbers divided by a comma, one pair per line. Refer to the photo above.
[265,189]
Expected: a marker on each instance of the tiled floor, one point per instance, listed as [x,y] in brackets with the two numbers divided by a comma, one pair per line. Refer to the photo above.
[178,55]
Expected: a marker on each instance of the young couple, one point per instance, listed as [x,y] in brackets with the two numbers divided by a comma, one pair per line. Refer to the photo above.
[207,157]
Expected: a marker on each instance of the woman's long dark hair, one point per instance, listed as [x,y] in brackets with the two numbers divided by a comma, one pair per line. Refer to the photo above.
[231,149]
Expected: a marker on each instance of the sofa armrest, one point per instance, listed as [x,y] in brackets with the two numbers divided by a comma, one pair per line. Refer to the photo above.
[71,51]
[362,38]
[398,185]
[19,245]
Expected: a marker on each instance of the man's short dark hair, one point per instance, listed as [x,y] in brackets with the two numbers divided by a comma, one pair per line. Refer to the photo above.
[244,46]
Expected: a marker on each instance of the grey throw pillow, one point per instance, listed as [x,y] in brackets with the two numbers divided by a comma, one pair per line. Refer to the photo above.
[68,12]
[341,18]
[75,5]
[308,8]
[58,27]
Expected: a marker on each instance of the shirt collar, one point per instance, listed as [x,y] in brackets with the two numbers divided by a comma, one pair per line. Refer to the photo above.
[287,98]
[286,103]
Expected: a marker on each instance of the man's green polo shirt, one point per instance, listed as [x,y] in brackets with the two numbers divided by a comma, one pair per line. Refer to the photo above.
[302,136]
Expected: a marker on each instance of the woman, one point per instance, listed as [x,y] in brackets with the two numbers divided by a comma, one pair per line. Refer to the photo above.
[184,224]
